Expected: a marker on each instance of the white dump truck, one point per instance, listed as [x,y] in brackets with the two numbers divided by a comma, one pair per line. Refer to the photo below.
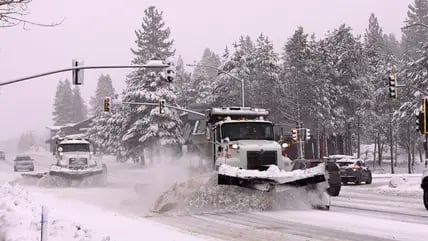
[240,143]
[75,164]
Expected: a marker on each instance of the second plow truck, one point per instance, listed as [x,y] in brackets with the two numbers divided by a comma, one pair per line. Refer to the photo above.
[75,165]
[240,142]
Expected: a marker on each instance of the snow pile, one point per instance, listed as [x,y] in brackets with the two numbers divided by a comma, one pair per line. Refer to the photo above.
[203,195]
[273,173]
[396,181]
[20,220]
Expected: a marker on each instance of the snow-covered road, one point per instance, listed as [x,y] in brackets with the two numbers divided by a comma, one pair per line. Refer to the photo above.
[366,212]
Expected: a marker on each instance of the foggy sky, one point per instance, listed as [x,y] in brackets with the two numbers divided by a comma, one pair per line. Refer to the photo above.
[102,32]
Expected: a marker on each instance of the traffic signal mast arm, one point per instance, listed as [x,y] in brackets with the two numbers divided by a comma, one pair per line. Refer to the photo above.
[80,68]
[413,88]
[168,106]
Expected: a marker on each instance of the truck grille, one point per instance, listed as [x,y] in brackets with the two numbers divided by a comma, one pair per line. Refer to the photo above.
[258,159]
[78,163]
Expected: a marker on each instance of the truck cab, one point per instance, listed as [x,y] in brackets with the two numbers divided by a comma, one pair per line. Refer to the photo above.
[243,138]
[75,154]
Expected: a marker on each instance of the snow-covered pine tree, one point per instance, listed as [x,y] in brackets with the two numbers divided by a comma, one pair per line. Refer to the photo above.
[203,78]
[182,83]
[145,128]
[63,109]
[414,37]
[80,111]
[104,89]
[296,85]
[227,91]
[262,88]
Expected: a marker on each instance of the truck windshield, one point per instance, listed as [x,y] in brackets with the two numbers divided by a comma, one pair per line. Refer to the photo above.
[247,131]
[75,147]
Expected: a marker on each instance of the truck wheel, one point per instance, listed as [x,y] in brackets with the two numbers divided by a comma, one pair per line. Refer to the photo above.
[425,197]
[369,179]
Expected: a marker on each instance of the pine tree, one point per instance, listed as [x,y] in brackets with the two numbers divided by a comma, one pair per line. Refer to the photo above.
[203,78]
[142,128]
[296,83]
[266,71]
[63,109]
[104,89]
[185,92]
[414,37]
[238,63]
[80,111]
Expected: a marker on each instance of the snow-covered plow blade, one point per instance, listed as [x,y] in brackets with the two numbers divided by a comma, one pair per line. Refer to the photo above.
[270,179]
[61,176]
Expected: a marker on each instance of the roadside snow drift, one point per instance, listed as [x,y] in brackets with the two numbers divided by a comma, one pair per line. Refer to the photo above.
[20,220]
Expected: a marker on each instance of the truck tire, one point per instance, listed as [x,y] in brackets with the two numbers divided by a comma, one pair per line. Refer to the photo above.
[425,198]
[369,179]
[334,190]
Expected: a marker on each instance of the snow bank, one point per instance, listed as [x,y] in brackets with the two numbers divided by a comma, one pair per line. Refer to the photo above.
[20,220]
[273,173]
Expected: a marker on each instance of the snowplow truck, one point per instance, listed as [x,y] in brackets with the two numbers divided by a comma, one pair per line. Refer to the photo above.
[75,164]
[240,143]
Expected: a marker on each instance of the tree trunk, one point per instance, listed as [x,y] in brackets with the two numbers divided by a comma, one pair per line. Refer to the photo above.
[409,158]
[421,157]
[391,144]
[374,151]
[379,149]
[413,157]
[358,138]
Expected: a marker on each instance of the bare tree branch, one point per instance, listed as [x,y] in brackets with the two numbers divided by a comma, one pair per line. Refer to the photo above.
[12,13]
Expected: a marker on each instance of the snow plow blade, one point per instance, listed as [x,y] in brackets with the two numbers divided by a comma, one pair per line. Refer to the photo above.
[272,177]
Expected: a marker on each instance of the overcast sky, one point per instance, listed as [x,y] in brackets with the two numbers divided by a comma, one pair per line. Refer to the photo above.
[102,32]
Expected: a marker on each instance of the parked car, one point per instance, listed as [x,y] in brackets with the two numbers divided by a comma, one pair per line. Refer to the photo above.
[2,155]
[23,163]
[354,170]
[333,173]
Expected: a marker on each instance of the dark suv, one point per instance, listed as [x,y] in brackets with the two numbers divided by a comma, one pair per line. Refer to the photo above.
[354,170]
[333,175]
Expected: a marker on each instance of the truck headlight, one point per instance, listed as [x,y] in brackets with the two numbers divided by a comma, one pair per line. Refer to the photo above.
[284,145]
[234,146]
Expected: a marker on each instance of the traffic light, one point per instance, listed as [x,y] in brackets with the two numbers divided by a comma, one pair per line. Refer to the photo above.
[308,134]
[107,104]
[294,134]
[420,122]
[392,79]
[77,74]
[170,70]
[162,106]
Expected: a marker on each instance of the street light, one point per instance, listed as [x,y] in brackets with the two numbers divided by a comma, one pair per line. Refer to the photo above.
[226,73]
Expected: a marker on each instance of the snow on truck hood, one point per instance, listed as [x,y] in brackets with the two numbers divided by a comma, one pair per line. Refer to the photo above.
[272,173]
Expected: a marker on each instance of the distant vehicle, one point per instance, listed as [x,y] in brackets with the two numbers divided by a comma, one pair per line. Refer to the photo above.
[2,155]
[23,163]
[335,158]
[354,170]
[332,169]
